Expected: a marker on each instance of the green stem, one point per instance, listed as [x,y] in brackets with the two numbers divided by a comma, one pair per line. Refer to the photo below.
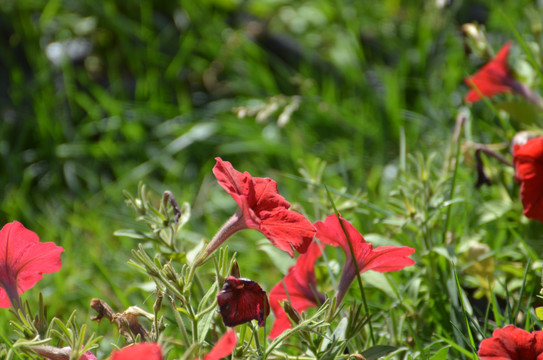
[453,181]
[181,324]
[194,320]
[359,278]
[257,341]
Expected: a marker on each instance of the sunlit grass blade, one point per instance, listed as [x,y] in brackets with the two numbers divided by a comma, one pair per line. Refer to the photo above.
[466,317]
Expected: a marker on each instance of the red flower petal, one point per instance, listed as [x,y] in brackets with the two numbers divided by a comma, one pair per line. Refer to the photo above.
[141,351]
[512,343]
[259,193]
[528,160]
[234,182]
[262,208]
[301,284]
[267,196]
[242,300]
[382,259]
[24,260]
[223,347]
[287,229]
[493,78]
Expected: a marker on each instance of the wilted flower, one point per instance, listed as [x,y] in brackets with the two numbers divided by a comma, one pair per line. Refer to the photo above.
[512,343]
[223,347]
[23,261]
[381,259]
[262,208]
[528,162]
[141,351]
[242,300]
[301,285]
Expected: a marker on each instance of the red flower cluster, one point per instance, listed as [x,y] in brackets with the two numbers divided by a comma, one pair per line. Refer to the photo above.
[262,208]
[300,281]
[493,78]
[528,162]
[512,343]
[23,261]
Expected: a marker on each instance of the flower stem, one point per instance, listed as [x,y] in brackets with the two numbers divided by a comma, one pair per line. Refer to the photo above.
[527,93]
[346,280]
[230,227]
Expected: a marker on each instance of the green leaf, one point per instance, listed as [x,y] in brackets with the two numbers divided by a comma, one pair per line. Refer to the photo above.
[539,312]
[129,233]
[441,354]
[204,324]
[179,257]
[377,351]
[185,215]
[210,293]
[378,281]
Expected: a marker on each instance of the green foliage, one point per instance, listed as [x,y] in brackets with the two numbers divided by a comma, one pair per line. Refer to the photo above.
[362,97]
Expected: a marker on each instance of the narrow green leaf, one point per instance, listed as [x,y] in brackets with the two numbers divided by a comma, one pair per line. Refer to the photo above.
[377,351]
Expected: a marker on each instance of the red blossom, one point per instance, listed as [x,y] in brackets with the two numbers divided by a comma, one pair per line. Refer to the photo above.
[381,259]
[141,351]
[493,78]
[528,161]
[512,343]
[262,208]
[301,285]
[242,300]
[23,261]
[223,347]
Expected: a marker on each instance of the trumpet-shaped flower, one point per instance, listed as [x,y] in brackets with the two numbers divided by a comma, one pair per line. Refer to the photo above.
[223,347]
[262,208]
[528,162]
[23,261]
[493,78]
[301,285]
[381,259]
[242,300]
[512,343]
[141,351]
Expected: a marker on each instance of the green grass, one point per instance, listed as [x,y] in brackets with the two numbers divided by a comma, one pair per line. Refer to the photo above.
[154,102]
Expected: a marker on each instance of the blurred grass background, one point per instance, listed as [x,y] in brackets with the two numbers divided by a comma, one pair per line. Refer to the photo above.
[97,96]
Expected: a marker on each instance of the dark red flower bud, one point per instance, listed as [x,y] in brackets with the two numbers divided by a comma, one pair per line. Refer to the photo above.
[242,300]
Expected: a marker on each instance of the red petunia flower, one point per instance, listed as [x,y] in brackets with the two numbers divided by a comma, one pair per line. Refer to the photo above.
[141,351]
[223,347]
[494,78]
[242,300]
[262,208]
[512,343]
[301,285]
[381,259]
[528,162]
[23,261]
